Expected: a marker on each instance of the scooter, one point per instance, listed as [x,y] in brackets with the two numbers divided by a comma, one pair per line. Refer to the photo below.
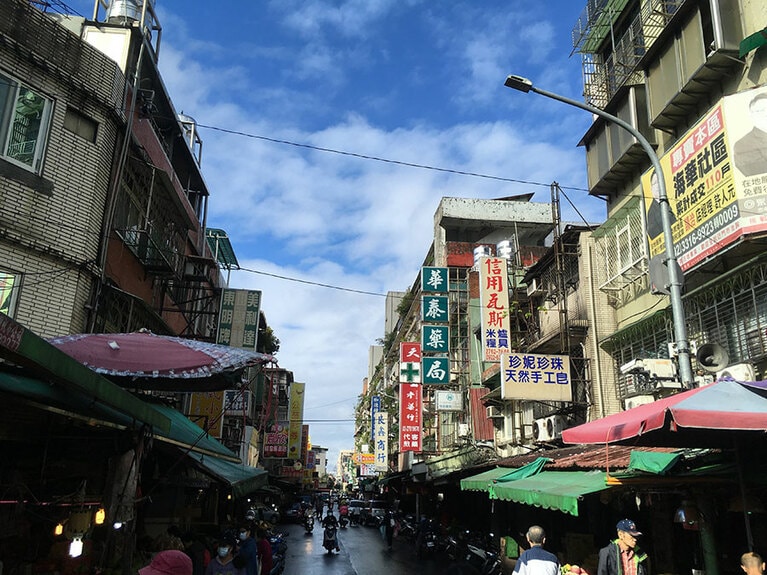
[343,522]
[330,539]
[309,523]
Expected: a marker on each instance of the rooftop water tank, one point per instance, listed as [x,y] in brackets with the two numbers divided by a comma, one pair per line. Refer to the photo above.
[126,11]
[506,249]
[481,252]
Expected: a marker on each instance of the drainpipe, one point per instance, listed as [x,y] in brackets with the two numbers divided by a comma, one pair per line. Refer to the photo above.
[597,361]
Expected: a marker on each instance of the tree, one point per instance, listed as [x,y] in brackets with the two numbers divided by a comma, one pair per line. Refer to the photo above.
[268,343]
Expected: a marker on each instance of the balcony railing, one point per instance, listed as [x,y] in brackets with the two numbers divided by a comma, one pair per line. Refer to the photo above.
[607,68]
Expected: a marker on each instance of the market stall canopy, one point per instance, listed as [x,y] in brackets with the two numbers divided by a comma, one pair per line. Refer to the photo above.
[487,479]
[156,362]
[45,362]
[557,490]
[241,478]
[703,417]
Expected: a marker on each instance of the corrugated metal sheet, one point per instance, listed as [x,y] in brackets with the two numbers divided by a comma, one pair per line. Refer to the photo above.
[583,457]
[482,426]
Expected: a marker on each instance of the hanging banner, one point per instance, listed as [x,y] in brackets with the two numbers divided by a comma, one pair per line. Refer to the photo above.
[296,418]
[381,442]
[534,376]
[494,301]
[410,417]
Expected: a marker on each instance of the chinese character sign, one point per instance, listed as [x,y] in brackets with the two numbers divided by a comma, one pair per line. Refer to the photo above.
[434,280]
[535,376]
[238,318]
[381,442]
[449,401]
[296,416]
[410,417]
[434,309]
[716,181]
[494,301]
[375,407]
[409,352]
[435,338]
[435,370]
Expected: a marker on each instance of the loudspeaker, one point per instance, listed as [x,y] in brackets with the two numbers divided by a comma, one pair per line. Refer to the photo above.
[712,357]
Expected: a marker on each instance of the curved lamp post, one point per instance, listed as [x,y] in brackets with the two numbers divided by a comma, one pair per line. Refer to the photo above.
[674,271]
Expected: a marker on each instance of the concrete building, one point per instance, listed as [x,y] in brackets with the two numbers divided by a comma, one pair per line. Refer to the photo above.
[685,74]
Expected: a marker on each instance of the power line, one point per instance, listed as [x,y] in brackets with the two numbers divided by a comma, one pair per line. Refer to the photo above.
[380,159]
[319,284]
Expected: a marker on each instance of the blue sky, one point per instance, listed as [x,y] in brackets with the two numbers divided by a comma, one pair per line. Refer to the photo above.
[414,81]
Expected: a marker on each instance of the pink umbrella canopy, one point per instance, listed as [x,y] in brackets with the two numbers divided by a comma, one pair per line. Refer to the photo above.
[148,361]
[702,417]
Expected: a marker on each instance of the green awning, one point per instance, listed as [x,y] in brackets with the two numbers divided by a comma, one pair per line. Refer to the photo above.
[558,490]
[222,249]
[532,468]
[242,479]
[655,462]
[482,481]
[187,434]
[753,42]
[44,361]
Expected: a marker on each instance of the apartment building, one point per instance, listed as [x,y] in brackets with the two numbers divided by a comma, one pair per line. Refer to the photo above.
[690,76]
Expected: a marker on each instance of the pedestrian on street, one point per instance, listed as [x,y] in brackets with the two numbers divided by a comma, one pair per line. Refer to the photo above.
[389,524]
[169,562]
[536,560]
[248,549]
[197,552]
[264,552]
[752,563]
[223,563]
[509,553]
[623,556]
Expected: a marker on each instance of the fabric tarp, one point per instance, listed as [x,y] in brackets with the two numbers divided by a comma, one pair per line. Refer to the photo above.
[482,481]
[655,462]
[557,490]
[752,42]
[242,479]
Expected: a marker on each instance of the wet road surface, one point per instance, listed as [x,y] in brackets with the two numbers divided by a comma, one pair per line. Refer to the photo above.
[363,552]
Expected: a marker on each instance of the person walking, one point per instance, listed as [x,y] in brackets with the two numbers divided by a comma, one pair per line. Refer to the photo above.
[248,549]
[264,552]
[223,563]
[623,556]
[536,560]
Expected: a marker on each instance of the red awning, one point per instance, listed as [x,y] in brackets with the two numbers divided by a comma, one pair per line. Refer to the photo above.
[698,417]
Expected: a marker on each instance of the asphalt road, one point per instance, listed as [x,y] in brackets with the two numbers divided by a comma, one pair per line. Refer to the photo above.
[363,552]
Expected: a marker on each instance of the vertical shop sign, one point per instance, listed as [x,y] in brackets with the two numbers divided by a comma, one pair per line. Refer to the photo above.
[436,370]
[434,280]
[410,417]
[375,407]
[296,418]
[238,318]
[410,362]
[494,301]
[381,441]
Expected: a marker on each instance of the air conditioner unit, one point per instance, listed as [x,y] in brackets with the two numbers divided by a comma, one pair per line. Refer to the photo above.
[548,428]
[493,411]
[463,430]
[738,372]
[534,287]
[654,367]
[637,400]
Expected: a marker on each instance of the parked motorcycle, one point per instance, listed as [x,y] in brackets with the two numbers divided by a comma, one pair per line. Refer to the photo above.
[330,539]
[279,547]
[484,561]
[428,544]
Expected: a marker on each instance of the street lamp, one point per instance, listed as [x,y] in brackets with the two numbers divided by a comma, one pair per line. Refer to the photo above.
[674,271]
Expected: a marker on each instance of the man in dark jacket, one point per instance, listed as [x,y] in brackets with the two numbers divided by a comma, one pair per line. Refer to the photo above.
[622,556]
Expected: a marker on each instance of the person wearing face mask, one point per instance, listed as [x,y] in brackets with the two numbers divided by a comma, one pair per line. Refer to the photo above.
[248,549]
[223,563]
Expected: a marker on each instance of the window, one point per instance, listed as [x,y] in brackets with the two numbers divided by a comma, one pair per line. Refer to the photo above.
[9,292]
[24,122]
[621,247]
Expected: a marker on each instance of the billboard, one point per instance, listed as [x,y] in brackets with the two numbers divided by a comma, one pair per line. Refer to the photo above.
[716,181]
[535,376]
[276,441]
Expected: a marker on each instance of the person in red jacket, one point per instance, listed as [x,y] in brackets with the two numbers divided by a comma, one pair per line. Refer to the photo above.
[264,552]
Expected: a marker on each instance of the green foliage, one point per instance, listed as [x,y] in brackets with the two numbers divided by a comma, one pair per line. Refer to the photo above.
[267,342]
[405,303]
